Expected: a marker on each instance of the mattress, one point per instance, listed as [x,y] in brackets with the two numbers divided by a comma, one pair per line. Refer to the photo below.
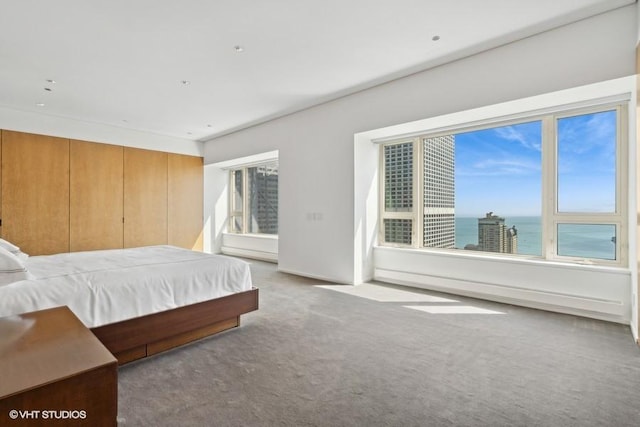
[108,286]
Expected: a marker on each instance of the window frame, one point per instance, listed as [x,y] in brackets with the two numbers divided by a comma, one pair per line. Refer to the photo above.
[235,211]
[243,213]
[555,217]
[550,215]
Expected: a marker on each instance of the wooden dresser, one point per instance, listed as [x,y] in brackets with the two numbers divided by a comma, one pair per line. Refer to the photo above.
[55,372]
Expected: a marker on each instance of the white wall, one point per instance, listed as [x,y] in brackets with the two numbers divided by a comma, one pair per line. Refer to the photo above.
[638,23]
[316,145]
[215,205]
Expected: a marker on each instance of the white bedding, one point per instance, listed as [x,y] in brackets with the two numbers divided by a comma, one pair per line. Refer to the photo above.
[103,287]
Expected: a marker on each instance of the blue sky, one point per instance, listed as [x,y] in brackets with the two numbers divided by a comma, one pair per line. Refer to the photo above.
[499,169]
[587,163]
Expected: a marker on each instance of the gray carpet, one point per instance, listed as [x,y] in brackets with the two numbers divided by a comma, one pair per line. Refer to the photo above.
[316,357]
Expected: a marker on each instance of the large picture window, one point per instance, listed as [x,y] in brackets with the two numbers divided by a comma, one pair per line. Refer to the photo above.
[547,186]
[253,205]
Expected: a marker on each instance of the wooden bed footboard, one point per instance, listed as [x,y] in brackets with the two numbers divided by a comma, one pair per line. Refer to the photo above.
[143,336]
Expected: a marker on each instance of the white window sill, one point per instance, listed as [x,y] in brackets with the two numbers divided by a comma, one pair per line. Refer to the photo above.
[253,235]
[601,292]
[258,246]
[508,259]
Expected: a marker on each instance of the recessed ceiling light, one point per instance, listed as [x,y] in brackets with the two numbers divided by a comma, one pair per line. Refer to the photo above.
[186,82]
[209,126]
[435,38]
[238,48]
[48,89]
[51,81]
[40,104]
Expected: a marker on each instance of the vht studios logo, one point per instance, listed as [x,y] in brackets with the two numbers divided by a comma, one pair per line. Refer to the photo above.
[47,415]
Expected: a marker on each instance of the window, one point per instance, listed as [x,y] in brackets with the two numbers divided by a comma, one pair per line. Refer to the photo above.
[253,205]
[547,186]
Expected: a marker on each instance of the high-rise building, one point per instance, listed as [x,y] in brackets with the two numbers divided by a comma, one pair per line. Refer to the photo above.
[398,190]
[438,181]
[511,240]
[439,230]
[494,236]
[263,199]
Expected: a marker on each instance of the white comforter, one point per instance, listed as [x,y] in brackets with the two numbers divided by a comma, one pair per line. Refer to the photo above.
[103,287]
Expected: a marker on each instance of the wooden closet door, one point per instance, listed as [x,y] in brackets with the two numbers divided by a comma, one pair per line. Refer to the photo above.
[185,201]
[35,192]
[96,196]
[145,197]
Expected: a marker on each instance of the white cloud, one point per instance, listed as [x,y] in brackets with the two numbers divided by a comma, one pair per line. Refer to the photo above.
[582,134]
[510,133]
[494,167]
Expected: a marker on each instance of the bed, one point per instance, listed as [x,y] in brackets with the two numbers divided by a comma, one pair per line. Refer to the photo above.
[137,301]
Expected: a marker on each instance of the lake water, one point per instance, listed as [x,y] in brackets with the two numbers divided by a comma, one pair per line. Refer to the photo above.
[575,240]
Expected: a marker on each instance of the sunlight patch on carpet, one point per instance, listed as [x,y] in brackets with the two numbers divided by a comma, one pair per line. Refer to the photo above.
[452,309]
[385,293]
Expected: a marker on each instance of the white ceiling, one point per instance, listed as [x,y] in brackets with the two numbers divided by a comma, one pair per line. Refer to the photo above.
[122,62]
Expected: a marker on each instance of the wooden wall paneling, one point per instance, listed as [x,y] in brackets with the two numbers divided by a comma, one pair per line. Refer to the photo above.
[35,192]
[185,193]
[145,197]
[96,196]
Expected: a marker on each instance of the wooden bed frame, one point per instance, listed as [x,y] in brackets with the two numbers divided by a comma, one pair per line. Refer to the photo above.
[144,336]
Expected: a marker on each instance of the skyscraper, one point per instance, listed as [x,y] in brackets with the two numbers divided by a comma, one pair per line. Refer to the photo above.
[494,236]
[263,199]
[439,229]
[398,191]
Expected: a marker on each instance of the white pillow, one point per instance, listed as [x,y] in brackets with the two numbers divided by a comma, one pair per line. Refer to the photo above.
[8,246]
[12,268]
[13,249]
[21,255]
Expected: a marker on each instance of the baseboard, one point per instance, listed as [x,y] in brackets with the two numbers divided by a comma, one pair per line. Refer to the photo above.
[612,311]
[315,276]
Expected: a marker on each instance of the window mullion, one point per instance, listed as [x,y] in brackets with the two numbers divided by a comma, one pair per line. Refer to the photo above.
[381,194]
[549,187]
[418,192]
[622,181]
[232,208]
[245,200]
